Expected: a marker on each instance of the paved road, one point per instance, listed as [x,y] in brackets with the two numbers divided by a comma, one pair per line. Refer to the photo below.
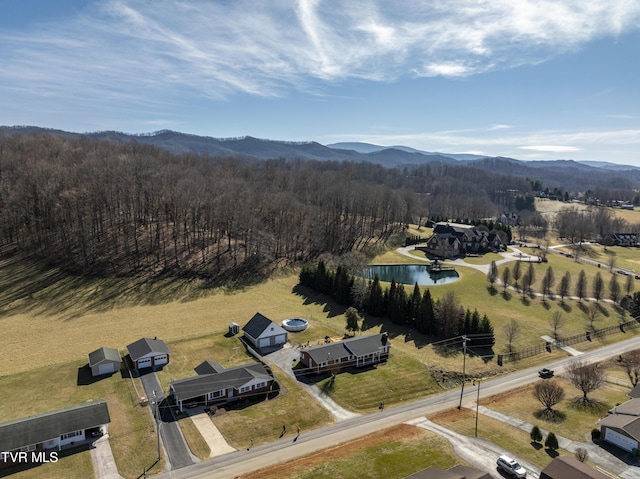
[244,462]
[175,446]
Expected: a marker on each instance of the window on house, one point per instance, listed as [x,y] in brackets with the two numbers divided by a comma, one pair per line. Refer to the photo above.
[30,448]
[215,394]
[261,385]
[245,389]
[69,435]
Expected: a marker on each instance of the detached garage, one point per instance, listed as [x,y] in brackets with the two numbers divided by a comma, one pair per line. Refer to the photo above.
[148,353]
[622,426]
[104,361]
[263,334]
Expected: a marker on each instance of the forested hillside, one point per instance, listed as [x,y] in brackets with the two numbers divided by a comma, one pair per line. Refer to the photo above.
[104,208]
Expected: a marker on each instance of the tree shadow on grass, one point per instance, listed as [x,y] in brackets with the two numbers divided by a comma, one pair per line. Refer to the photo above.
[590,406]
[536,445]
[566,307]
[553,416]
[506,295]
[552,452]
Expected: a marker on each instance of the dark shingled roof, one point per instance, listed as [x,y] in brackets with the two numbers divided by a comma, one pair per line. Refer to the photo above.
[104,355]
[196,386]
[50,425]
[358,347]
[257,325]
[568,467]
[208,367]
[145,346]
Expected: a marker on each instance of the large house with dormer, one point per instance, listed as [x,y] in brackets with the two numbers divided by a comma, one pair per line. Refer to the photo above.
[450,240]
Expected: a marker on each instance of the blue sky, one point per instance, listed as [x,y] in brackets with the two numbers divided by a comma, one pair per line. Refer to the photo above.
[529,79]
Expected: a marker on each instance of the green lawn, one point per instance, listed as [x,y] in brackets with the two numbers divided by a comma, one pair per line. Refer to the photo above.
[131,430]
[392,454]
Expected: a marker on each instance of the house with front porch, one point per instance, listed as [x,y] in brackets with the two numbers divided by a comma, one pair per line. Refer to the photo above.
[41,434]
[353,352]
[215,384]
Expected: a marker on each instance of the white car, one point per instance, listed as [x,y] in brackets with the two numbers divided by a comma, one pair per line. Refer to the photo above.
[511,467]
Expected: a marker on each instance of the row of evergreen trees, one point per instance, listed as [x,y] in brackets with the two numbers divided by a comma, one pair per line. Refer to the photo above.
[441,319]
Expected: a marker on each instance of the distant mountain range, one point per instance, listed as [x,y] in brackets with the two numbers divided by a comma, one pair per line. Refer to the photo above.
[560,173]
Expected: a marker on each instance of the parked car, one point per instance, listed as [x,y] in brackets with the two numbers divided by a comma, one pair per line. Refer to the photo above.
[545,373]
[511,467]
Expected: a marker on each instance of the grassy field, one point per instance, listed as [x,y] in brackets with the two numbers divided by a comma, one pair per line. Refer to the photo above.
[574,422]
[77,465]
[392,454]
[131,431]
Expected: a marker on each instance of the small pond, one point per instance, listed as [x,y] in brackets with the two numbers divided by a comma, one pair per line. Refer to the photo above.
[410,274]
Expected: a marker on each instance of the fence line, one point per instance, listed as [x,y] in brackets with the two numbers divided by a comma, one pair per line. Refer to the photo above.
[578,338]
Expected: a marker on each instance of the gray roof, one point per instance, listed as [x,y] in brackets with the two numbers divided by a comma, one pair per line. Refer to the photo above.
[104,355]
[50,425]
[144,346]
[630,407]
[628,424]
[469,472]
[208,367]
[196,386]
[635,392]
[359,346]
[256,325]
[568,467]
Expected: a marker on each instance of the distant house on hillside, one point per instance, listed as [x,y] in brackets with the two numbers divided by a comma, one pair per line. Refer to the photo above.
[620,239]
[450,240]
[215,384]
[104,361]
[336,355]
[263,334]
[148,353]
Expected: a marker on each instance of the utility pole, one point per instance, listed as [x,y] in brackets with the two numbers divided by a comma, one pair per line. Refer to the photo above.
[477,402]
[157,416]
[464,365]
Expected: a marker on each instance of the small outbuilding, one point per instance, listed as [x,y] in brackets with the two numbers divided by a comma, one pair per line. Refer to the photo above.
[148,353]
[263,334]
[104,361]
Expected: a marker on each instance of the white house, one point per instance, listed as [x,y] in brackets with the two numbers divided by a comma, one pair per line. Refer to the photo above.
[262,333]
[149,353]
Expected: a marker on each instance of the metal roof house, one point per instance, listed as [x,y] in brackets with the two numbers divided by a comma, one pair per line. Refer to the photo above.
[53,431]
[215,384]
[104,361]
[148,353]
[263,334]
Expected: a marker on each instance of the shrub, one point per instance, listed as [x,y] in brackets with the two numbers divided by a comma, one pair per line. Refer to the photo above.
[536,434]
[582,454]
[595,434]
[551,442]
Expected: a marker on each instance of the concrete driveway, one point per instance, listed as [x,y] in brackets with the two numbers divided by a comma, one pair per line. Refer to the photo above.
[283,359]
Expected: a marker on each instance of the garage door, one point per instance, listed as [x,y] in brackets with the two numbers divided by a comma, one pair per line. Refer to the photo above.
[160,360]
[144,363]
[619,440]
[105,368]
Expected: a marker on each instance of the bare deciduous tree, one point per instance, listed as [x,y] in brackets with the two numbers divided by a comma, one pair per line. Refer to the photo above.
[631,364]
[585,377]
[557,321]
[593,314]
[511,333]
[598,286]
[614,288]
[506,277]
[564,286]
[492,274]
[549,393]
[581,285]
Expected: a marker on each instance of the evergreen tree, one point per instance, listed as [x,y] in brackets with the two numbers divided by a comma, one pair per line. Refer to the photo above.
[551,442]
[424,323]
[486,329]
[475,322]
[376,298]
[536,434]
[414,309]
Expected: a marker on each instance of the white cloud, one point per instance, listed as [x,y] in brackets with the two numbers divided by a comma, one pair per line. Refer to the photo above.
[500,127]
[554,148]
[217,49]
